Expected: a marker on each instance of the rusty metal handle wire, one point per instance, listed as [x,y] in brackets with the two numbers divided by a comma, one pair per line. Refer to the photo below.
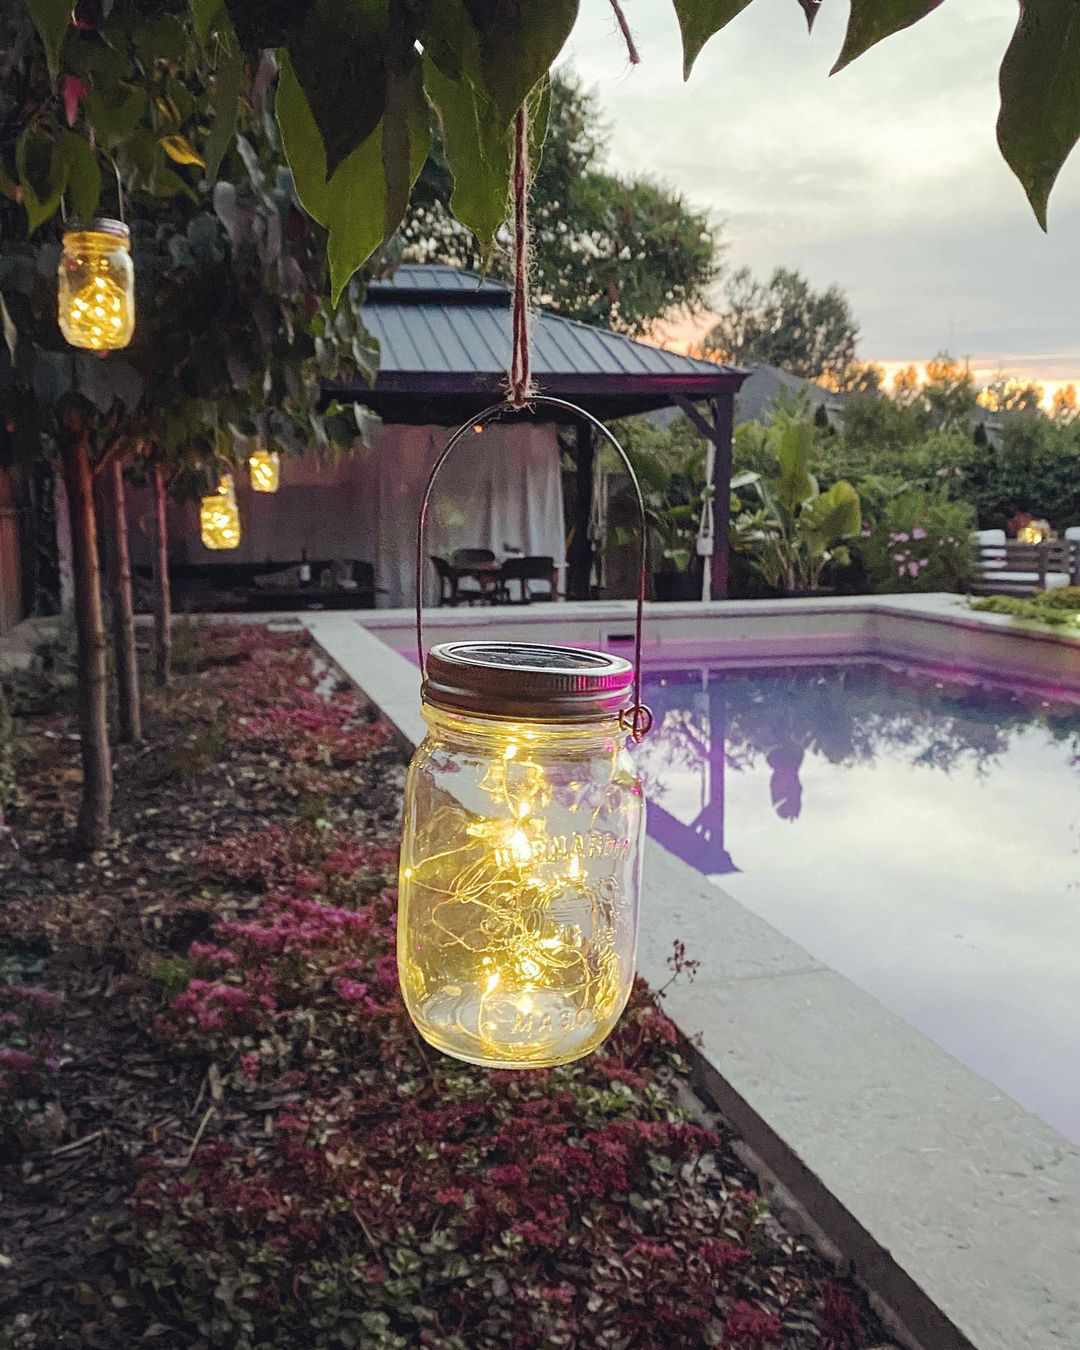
[636,719]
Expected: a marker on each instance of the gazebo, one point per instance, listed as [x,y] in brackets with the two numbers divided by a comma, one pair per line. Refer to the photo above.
[444,337]
[444,340]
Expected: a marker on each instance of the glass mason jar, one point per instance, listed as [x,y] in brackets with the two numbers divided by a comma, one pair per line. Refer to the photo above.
[96,286]
[265,469]
[219,516]
[521,855]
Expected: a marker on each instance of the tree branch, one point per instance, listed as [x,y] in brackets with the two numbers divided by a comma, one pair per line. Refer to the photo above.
[112,446]
[628,37]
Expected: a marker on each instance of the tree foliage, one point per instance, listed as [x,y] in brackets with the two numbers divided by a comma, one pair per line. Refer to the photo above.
[232,334]
[358,81]
[785,322]
[621,252]
[949,395]
[859,377]
[930,443]
[232,327]
[1004,394]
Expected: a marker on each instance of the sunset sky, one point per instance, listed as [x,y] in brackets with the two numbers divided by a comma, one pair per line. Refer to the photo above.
[885,179]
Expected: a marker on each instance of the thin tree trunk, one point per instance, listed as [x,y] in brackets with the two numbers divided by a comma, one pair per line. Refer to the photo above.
[96,806]
[64,566]
[162,596]
[129,711]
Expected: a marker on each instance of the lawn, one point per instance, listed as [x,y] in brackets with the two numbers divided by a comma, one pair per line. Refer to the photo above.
[219,1129]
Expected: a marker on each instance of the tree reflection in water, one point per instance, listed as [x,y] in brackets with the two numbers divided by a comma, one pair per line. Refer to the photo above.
[711,721]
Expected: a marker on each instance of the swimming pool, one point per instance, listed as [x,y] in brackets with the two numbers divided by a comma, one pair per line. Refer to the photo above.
[918,833]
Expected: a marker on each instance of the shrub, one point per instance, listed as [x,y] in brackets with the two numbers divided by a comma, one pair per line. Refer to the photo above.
[1059,609]
[921,543]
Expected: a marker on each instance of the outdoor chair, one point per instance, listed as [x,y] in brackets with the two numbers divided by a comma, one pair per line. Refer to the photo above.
[451,590]
[524,570]
[1006,567]
[479,566]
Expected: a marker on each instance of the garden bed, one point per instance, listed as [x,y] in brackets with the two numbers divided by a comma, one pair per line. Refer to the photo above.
[218,1127]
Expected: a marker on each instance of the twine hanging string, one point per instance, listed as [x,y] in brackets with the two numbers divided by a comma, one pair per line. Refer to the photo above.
[521,385]
[628,37]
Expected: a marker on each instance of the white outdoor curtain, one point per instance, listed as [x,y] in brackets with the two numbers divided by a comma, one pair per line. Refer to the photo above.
[501,490]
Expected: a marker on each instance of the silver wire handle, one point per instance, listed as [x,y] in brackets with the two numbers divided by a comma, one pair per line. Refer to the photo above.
[636,719]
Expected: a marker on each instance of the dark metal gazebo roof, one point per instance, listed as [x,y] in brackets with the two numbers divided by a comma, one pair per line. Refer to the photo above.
[444,337]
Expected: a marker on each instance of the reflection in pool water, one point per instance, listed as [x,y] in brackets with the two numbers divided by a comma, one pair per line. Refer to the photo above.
[920,835]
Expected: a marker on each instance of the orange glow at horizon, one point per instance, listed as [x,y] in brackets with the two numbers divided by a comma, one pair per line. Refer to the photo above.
[686,335]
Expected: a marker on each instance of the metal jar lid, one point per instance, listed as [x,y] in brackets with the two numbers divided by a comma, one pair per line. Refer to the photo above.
[526,681]
[100,225]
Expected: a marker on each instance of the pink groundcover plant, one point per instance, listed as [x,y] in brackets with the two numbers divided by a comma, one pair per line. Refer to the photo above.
[351,1187]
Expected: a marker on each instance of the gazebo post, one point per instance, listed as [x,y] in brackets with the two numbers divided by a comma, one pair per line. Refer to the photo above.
[722,421]
[580,559]
[718,429]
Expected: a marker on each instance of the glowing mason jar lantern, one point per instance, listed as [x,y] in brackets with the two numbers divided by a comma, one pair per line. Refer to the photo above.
[219,516]
[521,854]
[265,468]
[96,286]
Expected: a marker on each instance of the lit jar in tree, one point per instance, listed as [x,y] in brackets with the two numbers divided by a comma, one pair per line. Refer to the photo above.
[521,854]
[96,286]
[219,516]
[265,469]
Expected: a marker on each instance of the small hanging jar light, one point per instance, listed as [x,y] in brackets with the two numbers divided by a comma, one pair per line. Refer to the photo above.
[265,469]
[219,516]
[96,286]
[522,840]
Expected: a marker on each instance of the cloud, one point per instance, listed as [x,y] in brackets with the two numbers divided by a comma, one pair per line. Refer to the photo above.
[885,179]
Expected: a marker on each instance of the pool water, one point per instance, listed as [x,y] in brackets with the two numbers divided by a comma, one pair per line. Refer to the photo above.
[919,834]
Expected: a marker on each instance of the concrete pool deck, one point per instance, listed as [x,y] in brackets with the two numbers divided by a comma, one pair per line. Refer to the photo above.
[959,1209]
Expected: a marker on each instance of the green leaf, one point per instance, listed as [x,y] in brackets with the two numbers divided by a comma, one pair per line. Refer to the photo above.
[11,333]
[106,383]
[834,515]
[161,39]
[794,445]
[337,59]
[52,19]
[204,16]
[114,116]
[405,105]
[181,151]
[351,202]
[43,170]
[744,479]
[477,154]
[1039,121]
[447,35]
[225,100]
[873,20]
[518,46]
[83,175]
[479,148]
[699,20]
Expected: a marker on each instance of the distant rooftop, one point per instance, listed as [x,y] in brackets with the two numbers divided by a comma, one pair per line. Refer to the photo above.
[438,277]
[444,336]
